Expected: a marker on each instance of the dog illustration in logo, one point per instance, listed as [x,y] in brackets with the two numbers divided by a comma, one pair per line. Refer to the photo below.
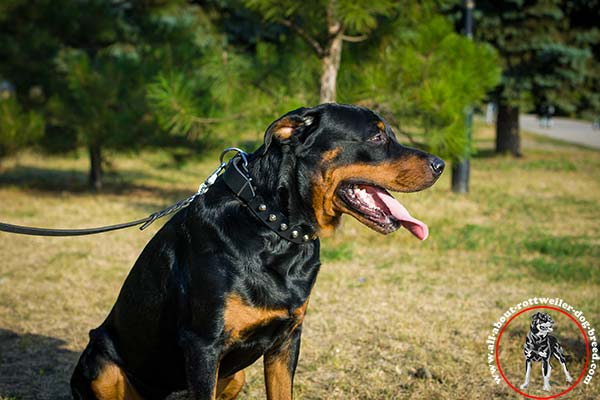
[541,346]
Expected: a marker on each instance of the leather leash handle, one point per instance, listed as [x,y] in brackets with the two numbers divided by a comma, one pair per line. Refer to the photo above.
[27,230]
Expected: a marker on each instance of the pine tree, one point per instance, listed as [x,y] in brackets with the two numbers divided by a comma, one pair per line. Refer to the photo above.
[421,75]
[541,62]
[18,128]
[248,73]
[325,25]
[413,68]
[91,61]
[584,32]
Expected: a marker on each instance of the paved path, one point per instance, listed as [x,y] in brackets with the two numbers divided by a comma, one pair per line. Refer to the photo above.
[568,130]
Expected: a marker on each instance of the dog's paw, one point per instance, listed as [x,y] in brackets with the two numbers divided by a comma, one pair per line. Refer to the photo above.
[524,386]
[569,379]
[546,387]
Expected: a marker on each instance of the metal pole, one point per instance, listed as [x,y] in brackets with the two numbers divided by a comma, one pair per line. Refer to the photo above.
[461,169]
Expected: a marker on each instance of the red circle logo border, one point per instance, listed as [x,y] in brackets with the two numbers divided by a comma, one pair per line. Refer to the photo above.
[587,353]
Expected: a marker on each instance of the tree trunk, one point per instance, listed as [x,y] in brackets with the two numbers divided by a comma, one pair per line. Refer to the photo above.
[507,130]
[95,167]
[331,65]
[332,55]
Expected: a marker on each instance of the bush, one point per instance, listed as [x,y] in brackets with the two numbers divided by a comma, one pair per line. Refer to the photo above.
[18,128]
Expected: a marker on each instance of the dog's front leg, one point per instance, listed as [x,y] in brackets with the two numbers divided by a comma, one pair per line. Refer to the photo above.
[559,356]
[567,374]
[201,365]
[280,367]
[546,369]
[527,374]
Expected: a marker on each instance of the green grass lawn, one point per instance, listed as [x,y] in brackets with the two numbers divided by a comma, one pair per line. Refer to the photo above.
[390,317]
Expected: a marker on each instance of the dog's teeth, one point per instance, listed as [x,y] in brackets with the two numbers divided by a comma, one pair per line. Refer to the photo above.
[370,202]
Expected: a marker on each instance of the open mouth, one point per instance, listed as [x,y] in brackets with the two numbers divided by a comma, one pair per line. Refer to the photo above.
[375,207]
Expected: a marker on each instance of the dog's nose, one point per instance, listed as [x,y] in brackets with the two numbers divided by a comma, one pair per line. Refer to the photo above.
[437,165]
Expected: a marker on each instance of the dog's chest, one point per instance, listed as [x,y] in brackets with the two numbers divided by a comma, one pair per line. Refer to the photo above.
[539,345]
[250,332]
[242,321]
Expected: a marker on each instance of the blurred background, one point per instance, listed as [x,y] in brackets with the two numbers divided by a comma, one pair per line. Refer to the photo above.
[113,109]
[127,75]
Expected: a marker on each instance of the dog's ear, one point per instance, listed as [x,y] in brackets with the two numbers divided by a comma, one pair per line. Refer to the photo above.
[535,316]
[295,124]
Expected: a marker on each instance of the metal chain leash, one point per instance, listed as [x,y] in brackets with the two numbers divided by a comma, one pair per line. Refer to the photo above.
[203,188]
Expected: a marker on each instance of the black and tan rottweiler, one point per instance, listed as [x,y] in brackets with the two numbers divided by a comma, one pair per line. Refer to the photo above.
[540,346]
[227,280]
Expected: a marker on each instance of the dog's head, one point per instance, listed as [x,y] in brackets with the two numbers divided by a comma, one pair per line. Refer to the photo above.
[346,158]
[541,324]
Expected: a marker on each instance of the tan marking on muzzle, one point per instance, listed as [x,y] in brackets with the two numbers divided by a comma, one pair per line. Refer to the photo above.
[407,174]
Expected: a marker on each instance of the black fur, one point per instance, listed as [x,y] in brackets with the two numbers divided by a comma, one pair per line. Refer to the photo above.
[166,329]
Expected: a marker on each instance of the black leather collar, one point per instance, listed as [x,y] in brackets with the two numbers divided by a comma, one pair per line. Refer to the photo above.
[239,181]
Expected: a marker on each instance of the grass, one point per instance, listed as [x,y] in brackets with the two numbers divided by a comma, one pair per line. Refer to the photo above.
[390,317]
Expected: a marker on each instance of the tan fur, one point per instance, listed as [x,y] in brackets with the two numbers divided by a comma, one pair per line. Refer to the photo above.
[381,126]
[330,155]
[240,317]
[228,388]
[278,379]
[403,175]
[283,129]
[112,384]
[299,314]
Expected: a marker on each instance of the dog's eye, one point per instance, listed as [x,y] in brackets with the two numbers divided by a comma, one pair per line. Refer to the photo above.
[378,138]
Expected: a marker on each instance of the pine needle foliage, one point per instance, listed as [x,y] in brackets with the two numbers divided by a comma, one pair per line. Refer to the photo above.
[548,50]
[422,76]
[18,128]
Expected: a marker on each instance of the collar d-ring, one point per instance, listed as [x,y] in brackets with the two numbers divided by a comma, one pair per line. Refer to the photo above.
[238,151]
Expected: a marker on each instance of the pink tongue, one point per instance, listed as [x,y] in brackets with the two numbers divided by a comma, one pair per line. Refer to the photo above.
[416,227]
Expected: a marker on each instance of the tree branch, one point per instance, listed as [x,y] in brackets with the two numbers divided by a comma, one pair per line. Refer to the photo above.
[408,135]
[305,36]
[335,30]
[206,121]
[355,39]
[334,26]
[264,89]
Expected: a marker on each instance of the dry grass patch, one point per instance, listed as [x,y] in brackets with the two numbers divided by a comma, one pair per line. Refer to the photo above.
[391,317]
